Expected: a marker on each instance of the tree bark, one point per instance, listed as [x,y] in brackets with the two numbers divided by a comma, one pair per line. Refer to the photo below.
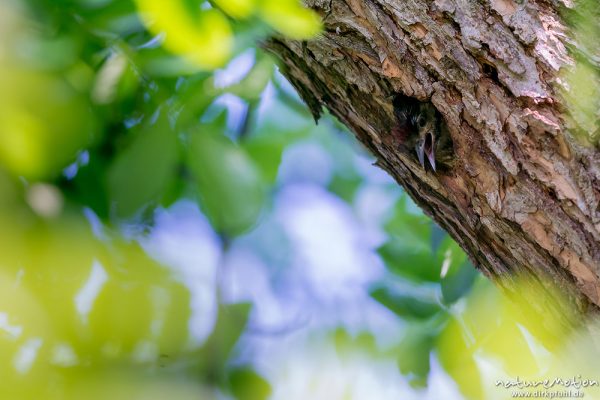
[523,196]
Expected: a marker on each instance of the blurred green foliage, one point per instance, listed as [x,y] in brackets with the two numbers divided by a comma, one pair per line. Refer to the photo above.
[581,89]
[116,109]
[102,100]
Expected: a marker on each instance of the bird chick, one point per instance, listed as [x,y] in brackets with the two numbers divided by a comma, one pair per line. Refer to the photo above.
[419,127]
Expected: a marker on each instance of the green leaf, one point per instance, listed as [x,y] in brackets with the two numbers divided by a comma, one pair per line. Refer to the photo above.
[44,123]
[458,273]
[237,8]
[408,251]
[414,353]
[456,356]
[231,191]
[87,188]
[246,384]
[416,265]
[138,301]
[405,306]
[252,86]
[112,18]
[195,95]
[143,171]
[413,231]
[266,149]
[345,186]
[266,154]
[204,40]
[213,356]
[290,18]
[346,343]
[457,285]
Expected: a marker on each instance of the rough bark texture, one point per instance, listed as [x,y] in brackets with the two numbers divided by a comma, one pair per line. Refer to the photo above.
[523,195]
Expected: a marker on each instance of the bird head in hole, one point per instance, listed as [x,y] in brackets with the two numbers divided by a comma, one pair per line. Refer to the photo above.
[417,127]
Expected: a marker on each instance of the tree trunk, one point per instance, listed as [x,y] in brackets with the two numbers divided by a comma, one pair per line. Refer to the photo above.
[522,196]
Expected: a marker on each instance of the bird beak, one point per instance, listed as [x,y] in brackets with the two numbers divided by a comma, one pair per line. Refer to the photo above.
[431,152]
[426,148]
[420,149]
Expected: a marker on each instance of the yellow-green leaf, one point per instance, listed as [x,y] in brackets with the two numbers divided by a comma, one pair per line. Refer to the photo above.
[204,39]
[290,18]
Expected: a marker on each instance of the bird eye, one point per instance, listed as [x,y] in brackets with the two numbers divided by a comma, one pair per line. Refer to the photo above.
[421,122]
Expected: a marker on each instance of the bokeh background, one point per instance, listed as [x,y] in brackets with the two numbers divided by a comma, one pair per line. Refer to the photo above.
[173,224]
